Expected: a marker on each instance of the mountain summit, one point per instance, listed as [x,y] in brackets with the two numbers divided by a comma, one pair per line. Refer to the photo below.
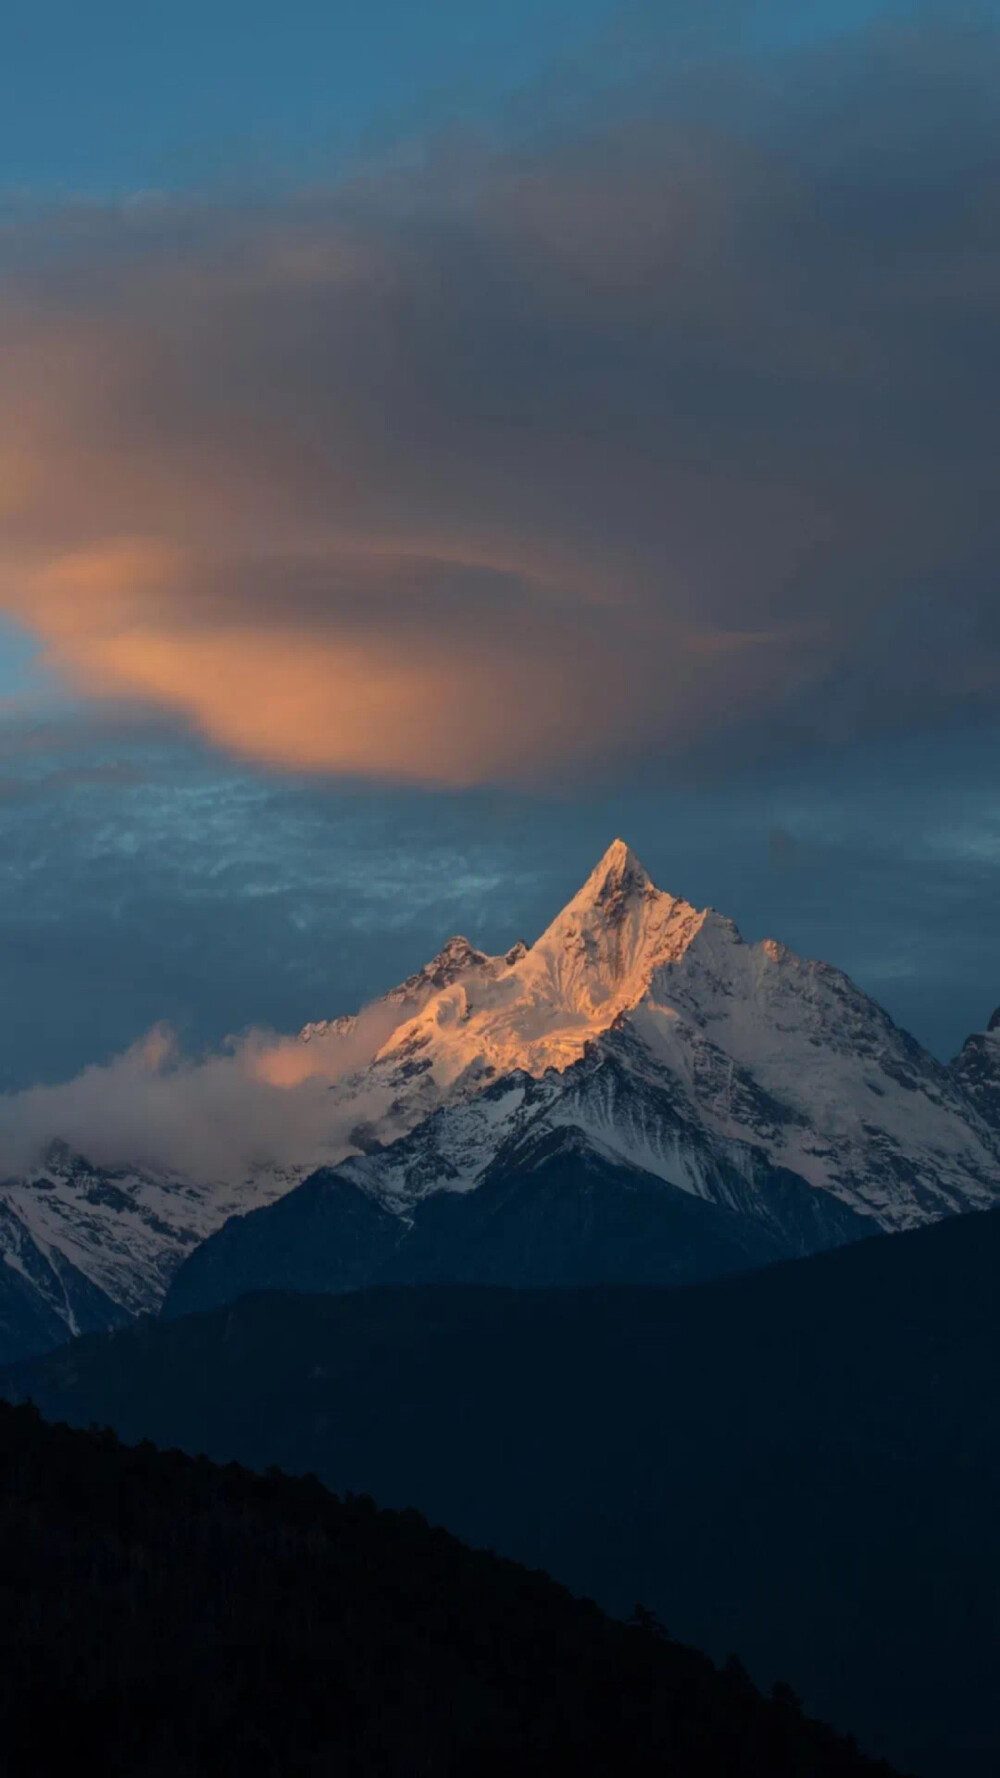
[618,876]
[539,1007]
[611,936]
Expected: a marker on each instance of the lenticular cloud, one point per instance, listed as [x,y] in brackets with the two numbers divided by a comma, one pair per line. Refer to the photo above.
[623,444]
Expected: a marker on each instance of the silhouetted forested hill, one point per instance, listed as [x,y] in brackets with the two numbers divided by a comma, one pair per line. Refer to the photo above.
[165,1618]
[802,1464]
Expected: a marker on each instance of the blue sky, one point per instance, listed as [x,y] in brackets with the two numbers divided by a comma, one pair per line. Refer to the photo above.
[121,97]
[117,98]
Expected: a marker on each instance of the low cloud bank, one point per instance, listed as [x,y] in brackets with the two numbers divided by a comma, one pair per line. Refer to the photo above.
[265,1100]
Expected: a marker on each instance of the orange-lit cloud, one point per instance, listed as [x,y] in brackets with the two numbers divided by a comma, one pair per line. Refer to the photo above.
[437,693]
[603,452]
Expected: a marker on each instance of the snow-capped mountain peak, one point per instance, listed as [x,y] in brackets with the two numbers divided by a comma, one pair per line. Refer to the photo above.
[607,941]
[638,1028]
[619,876]
[539,1007]
[753,1044]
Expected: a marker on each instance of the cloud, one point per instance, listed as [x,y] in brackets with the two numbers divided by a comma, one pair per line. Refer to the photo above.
[666,432]
[265,1099]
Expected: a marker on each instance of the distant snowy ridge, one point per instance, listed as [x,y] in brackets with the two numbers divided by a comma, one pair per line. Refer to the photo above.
[84,1247]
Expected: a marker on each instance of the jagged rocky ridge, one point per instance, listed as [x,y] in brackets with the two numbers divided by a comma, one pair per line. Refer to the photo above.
[638,1094]
[977,1068]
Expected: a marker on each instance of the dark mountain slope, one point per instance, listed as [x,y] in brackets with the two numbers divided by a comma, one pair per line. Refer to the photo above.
[559,1212]
[552,1209]
[801,1463]
[324,1235]
[164,1616]
[564,1214]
